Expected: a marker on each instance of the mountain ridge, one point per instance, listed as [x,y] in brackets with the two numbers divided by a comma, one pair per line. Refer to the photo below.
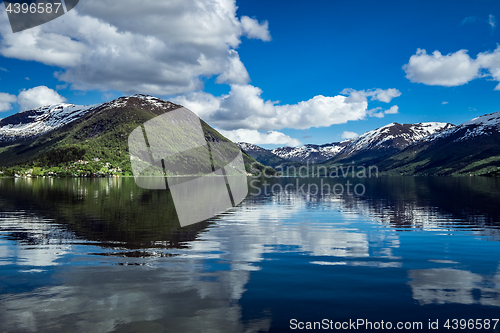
[61,133]
[387,139]
[96,132]
[432,148]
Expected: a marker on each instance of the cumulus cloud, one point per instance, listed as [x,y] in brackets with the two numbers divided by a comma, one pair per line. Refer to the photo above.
[253,29]
[490,61]
[381,95]
[256,137]
[392,110]
[234,71]
[453,69]
[244,108]
[6,101]
[377,112]
[155,47]
[38,96]
[349,135]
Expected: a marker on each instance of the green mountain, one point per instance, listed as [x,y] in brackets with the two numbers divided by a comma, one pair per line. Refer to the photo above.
[67,139]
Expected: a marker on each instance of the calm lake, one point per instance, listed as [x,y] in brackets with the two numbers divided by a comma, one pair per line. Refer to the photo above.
[103,255]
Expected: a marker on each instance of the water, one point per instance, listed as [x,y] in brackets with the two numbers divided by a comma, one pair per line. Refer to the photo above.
[102,255]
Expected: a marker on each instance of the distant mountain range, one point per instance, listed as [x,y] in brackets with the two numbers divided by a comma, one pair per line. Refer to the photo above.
[380,142]
[58,134]
[432,148]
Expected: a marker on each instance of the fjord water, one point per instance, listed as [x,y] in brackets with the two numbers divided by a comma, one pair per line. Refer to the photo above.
[103,255]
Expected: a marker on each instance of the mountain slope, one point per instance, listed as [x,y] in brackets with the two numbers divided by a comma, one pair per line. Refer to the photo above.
[30,123]
[66,133]
[310,152]
[261,155]
[376,145]
[370,147]
[470,148]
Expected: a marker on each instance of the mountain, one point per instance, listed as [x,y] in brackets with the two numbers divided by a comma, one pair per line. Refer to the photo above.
[261,155]
[371,146]
[311,153]
[470,148]
[433,148]
[287,156]
[30,123]
[376,145]
[64,134]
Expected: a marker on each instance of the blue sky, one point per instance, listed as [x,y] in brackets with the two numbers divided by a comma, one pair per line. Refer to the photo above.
[269,72]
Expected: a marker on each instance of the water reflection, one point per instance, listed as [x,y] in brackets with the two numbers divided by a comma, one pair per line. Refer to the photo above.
[103,255]
[448,285]
[102,299]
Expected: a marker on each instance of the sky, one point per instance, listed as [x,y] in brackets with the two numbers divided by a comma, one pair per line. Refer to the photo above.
[272,73]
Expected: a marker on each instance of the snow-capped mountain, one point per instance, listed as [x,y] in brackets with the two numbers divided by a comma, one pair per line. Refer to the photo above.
[41,120]
[260,154]
[249,147]
[31,123]
[485,125]
[393,137]
[371,145]
[469,148]
[311,153]
[56,135]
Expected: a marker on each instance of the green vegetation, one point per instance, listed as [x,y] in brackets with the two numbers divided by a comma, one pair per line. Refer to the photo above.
[95,145]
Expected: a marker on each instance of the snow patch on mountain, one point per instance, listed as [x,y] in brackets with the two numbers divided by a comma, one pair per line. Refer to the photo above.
[31,123]
[395,136]
[249,147]
[483,125]
[41,120]
[310,152]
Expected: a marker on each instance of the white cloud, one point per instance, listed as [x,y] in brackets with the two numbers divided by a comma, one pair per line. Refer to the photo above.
[234,71]
[256,137]
[376,112]
[392,110]
[491,62]
[492,22]
[349,135]
[381,95]
[155,47]
[6,101]
[244,108]
[253,29]
[444,102]
[469,19]
[453,69]
[38,96]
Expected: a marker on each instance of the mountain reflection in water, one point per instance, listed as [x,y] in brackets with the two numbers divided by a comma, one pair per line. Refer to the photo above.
[103,255]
